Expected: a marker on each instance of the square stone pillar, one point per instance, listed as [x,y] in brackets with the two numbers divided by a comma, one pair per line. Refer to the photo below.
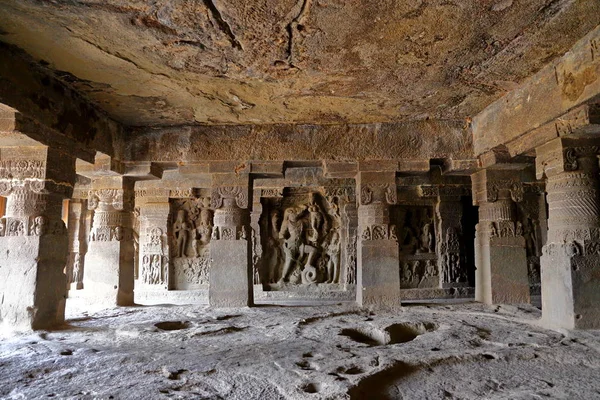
[153,245]
[378,275]
[570,262]
[500,251]
[231,274]
[109,261]
[77,243]
[33,237]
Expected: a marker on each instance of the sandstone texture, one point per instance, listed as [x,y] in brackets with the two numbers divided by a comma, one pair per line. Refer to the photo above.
[293,61]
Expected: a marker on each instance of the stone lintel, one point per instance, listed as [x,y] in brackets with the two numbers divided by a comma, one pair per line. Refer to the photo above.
[379,165]
[267,168]
[17,129]
[229,167]
[301,143]
[103,165]
[577,120]
[460,167]
[334,169]
[545,96]
[142,170]
[414,167]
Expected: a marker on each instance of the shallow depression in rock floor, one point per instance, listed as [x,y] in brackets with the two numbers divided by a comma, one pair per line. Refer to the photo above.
[393,334]
[172,325]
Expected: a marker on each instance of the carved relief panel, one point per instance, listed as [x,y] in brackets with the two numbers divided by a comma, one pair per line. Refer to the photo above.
[530,215]
[191,231]
[417,241]
[302,237]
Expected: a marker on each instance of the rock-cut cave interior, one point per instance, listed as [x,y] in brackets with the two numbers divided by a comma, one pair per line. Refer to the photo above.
[300,199]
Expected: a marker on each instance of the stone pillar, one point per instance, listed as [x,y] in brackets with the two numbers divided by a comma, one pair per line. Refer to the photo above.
[350,230]
[109,261]
[231,273]
[154,271]
[570,260]
[500,253]
[33,237]
[378,276]
[77,243]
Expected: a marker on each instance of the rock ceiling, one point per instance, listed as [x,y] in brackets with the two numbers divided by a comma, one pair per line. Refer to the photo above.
[171,62]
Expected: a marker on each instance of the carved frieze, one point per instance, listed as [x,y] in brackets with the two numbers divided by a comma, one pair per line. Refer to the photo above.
[379,232]
[378,193]
[162,192]
[272,192]
[31,226]
[22,169]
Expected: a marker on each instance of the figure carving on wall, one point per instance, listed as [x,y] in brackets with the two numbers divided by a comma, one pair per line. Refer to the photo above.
[427,238]
[291,233]
[351,261]
[38,227]
[274,247]
[191,233]
[316,220]
[77,268]
[306,247]
[333,264]
[181,233]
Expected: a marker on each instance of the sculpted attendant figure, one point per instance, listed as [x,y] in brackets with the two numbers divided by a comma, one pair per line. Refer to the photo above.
[333,264]
[180,230]
[291,232]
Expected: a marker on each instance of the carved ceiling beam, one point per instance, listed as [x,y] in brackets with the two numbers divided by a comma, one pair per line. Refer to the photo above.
[571,82]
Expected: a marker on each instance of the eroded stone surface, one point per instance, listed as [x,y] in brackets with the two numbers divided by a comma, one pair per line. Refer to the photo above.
[309,61]
[297,353]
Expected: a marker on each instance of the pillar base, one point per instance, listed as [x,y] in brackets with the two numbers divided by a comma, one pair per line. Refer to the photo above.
[108,278]
[570,282]
[501,276]
[229,276]
[378,274]
[32,281]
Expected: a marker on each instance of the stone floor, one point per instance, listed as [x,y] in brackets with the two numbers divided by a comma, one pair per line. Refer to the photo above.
[424,351]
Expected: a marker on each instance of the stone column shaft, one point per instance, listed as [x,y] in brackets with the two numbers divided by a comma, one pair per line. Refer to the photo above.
[570,261]
[77,243]
[231,274]
[378,276]
[110,256]
[33,237]
[500,253]
[153,245]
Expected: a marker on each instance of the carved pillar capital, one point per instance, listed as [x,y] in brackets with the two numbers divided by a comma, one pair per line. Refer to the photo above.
[490,185]
[566,154]
[111,200]
[376,192]
[230,199]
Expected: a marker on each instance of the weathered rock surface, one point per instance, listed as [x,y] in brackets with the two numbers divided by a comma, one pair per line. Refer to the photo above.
[435,351]
[307,61]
